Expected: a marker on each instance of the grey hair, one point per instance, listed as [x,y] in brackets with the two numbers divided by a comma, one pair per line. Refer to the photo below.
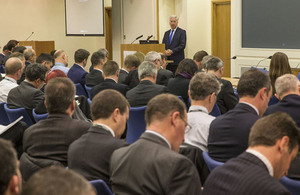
[202,85]
[286,83]
[174,16]
[152,56]
[147,69]
[213,63]
[104,51]
[28,53]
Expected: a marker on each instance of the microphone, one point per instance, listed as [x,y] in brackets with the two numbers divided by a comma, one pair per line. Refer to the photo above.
[263,60]
[149,37]
[29,36]
[137,38]
[233,58]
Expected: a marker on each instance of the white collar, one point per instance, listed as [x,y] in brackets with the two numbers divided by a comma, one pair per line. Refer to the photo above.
[198,107]
[159,135]
[98,70]
[251,107]
[125,70]
[107,128]
[263,159]
[80,66]
[112,79]
[10,79]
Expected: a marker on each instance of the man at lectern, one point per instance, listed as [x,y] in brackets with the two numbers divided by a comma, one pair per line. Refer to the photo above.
[174,40]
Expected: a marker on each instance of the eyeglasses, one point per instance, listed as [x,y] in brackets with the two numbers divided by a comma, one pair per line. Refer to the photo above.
[188,127]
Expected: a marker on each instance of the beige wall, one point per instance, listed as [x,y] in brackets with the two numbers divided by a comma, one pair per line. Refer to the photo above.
[47,20]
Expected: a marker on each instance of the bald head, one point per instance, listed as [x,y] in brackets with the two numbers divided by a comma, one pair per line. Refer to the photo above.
[13,66]
[60,56]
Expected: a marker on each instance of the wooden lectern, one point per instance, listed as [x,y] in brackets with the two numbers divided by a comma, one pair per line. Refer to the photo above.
[144,48]
[39,46]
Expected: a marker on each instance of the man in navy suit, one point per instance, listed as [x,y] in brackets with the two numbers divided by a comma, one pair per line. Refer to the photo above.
[111,73]
[273,144]
[288,92]
[95,76]
[228,133]
[174,40]
[77,73]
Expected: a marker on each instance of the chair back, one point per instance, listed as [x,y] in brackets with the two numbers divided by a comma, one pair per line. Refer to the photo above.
[101,187]
[14,114]
[236,94]
[211,163]
[136,124]
[3,116]
[215,111]
[88,90]
[292,185]
[38,117]
[80,90]
[261,69]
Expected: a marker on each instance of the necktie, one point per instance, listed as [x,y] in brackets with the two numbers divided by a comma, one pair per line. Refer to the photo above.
[170,38]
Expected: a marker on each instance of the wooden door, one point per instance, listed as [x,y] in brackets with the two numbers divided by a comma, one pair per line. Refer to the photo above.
[108,31]
[221,33]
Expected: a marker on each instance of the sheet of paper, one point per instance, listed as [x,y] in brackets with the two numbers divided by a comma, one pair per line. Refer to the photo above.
[5,128]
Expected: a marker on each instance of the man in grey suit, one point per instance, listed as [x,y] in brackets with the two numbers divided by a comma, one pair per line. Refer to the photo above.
[152,164]
[28,94]
[163,75]
[273,143]
[46,143]
[146,89]
[110,111]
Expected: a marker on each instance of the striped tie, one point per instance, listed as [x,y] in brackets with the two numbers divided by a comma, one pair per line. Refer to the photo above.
[170,38]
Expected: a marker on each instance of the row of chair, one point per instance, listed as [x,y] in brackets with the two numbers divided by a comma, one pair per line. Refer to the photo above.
[292,185]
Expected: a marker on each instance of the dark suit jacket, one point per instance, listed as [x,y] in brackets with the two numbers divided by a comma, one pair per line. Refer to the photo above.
[2,58]
[290,104]
[141,94]
[94,78]
[109,84]
[163,76]
[149,166]
[245,175]
[226,99]
[122,76]
[180,86]
[177,45]
[25,96]
[132,80]
[77,74]
[90,154]
[228,133]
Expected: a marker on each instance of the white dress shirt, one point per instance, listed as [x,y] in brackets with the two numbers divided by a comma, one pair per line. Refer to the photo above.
[5,86]
[200,120]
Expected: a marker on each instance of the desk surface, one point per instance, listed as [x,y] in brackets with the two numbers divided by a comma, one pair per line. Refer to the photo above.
[233,81]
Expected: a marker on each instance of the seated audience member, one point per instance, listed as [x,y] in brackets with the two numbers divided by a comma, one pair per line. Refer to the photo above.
[78,113]
[28,94]
[146,89]
[273,144]
[163,61]
[19,49]
[106,58]
[22,58]
[163,75]
[228,133]
[10,177]
[46,60]
[152,164]
[58,181]
[179,85]
[30,56]
[226,98]
[95,77]
[132,80]
[198,57]
[11,44]
[46,143]
[203,91]
[61,61]
[111,73]
[2,55]
[13,69]
[288,92]
[110,111]
[77,73]
[131,62]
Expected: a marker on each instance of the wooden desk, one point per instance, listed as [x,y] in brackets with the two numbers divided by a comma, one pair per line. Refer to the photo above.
[233,81]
